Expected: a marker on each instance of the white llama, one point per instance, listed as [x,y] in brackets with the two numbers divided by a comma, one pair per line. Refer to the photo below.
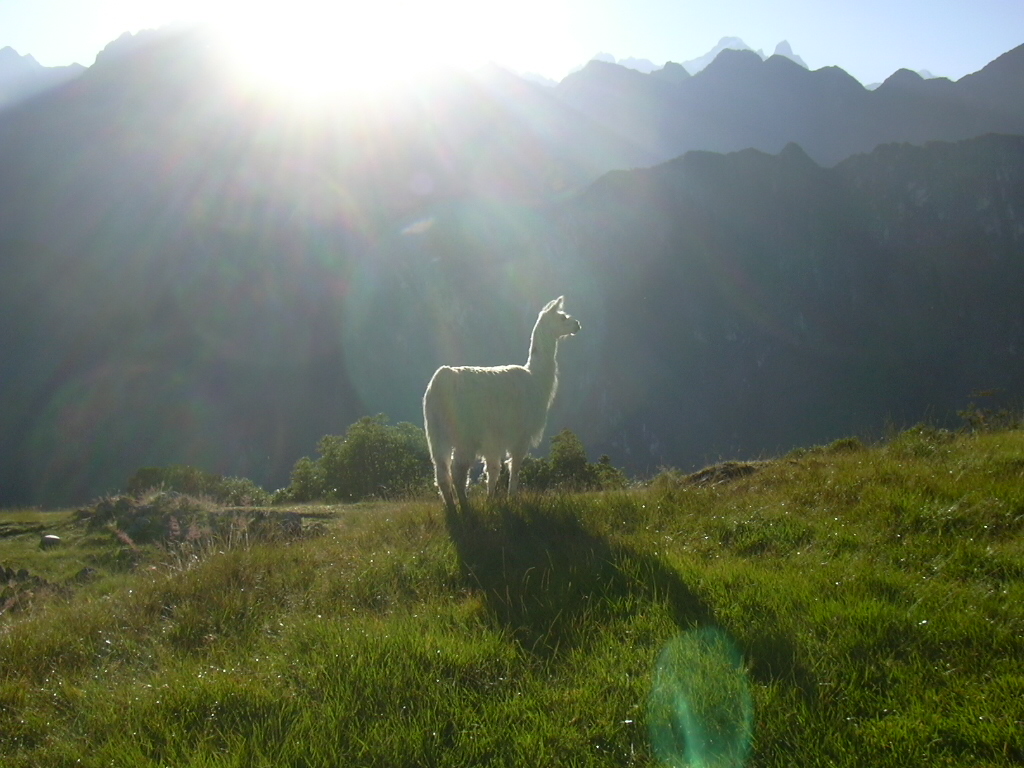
[473,413]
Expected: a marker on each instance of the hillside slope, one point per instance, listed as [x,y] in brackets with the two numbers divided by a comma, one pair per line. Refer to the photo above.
[839,596]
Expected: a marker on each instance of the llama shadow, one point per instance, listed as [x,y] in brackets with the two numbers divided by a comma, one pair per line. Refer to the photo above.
[543,575]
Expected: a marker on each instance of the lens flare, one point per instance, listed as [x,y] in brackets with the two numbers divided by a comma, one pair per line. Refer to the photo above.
[700,711]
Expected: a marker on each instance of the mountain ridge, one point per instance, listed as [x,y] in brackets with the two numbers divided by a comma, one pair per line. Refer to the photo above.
[740,101]
[22,77]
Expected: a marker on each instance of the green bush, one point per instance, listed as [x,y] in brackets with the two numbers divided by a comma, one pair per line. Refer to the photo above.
[192,481]
[174,518]
[174,477]
[567,468]
[376,460]
[372,460]
[307,481]
[979,419]
[241,492]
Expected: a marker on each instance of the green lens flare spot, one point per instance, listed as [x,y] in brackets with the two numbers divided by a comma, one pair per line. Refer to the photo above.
[700,711]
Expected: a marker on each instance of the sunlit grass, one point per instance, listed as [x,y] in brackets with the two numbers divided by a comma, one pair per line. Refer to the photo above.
[875,596]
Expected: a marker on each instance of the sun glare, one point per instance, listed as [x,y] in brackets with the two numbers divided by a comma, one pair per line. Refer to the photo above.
[309,48]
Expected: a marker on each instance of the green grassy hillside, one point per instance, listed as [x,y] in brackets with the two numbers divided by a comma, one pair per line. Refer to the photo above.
[843,606]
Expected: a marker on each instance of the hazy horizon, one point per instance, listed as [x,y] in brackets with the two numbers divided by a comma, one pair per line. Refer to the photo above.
[550,39]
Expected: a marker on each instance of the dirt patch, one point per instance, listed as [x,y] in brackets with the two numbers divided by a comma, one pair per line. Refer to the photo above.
[725,472]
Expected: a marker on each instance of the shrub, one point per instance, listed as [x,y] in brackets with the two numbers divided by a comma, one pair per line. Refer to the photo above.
[922,441]
[180,478]
[192,481]
[241,492]
[158,516]
[609,478]
[372,460]
[567,468]
[172,518]
[307,481]
[978,419]
[845,445]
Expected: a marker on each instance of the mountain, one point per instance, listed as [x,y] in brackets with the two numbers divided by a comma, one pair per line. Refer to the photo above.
[752,303]
[640,65]
[924,74]
[693,66]
[191,273]
[22,76]
[671,72]
[742,101]
[538,79]
[785,49]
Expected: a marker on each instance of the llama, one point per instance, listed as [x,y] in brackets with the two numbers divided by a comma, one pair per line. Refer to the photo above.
[473,413]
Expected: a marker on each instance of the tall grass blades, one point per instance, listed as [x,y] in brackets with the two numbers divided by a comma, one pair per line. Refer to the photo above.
[841,606]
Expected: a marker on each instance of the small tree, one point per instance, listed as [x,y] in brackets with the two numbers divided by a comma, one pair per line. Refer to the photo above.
[307,481]
[534,474]
[609,478]
[567,468]
[372,459]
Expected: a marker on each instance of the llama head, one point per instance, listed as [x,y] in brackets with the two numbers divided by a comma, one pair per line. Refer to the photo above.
[554,320]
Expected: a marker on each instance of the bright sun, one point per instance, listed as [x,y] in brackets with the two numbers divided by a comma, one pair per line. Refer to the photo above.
[311,47]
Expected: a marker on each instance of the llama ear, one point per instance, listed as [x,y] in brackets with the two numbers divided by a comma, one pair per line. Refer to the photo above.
[553,304]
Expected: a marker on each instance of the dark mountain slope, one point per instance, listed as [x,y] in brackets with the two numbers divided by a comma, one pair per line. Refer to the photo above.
[758,302]
[741,102]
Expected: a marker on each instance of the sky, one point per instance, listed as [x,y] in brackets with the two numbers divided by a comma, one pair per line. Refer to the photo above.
[870,39]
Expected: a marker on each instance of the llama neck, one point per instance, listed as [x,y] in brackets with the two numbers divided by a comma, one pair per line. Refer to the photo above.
[542,363]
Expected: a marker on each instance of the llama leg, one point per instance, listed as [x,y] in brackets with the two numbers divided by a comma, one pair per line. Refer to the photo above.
[443,478]
[515,461]
[460,478]
[492,466]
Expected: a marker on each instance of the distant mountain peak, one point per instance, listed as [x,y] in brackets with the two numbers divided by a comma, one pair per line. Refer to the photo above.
[539,79]
[785,49]
[604,71]
[734,61]
[902,78]
[640,65]
[21,76]
[794,154]
[733,43]
[11,59]
[128,42]
[693,66]
[671,72]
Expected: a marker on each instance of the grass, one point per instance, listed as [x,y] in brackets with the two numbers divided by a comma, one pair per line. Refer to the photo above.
[844,605]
